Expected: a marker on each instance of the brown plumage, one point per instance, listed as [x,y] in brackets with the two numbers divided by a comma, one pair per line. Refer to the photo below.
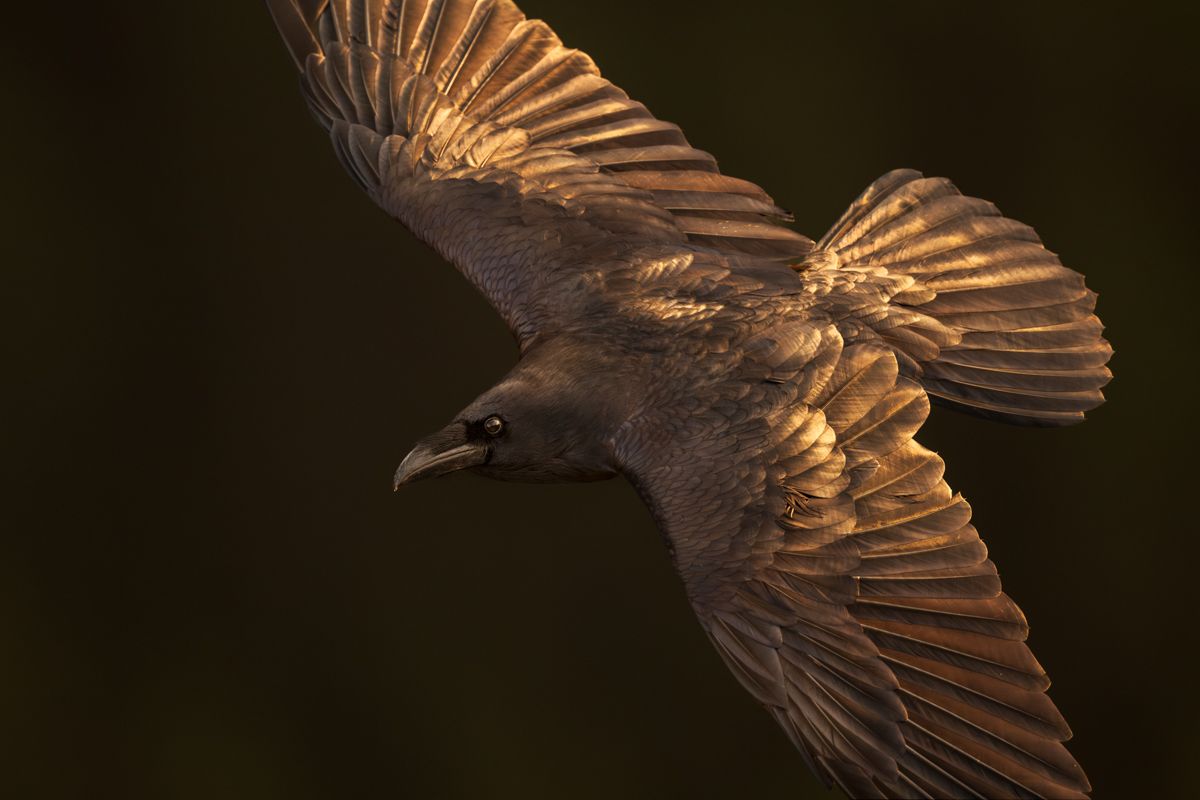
[759,390]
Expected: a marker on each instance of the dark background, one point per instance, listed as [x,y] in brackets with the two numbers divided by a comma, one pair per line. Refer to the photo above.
[218,350]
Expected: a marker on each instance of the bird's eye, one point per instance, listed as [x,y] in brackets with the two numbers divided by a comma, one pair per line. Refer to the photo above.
[493,426]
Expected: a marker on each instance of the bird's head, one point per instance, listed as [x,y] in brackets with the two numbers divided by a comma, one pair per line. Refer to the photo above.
[550,420]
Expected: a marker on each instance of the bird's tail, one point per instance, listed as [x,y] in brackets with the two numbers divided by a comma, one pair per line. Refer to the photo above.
[991,322]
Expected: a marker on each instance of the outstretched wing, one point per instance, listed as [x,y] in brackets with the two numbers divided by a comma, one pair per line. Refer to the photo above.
[507,151]
[843,584]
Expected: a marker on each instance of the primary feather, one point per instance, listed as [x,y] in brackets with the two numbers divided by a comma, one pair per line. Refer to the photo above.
[761,392]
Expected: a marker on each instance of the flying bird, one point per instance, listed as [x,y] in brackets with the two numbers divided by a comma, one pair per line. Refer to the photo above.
[761,391]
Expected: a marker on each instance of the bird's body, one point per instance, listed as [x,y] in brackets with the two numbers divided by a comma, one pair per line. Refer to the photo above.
[761,391]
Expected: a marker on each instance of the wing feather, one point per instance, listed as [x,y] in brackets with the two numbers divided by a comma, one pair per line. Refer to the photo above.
[868,617]
[461,70]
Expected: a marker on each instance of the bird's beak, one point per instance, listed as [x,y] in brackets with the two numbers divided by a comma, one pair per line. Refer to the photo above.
[429,460]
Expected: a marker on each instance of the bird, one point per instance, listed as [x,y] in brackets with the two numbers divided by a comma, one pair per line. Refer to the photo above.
[760,390]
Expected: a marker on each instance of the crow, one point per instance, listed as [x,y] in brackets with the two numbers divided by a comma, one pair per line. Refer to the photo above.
[760,391]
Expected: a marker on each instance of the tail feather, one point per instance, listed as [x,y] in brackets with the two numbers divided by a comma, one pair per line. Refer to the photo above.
[297,23]
[1022,344]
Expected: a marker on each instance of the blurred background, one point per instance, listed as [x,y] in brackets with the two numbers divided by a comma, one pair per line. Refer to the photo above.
[217,350]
